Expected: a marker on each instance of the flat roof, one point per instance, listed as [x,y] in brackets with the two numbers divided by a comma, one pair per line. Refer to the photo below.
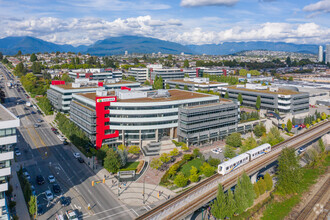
[69,85]
[280,90]
[222,101]
[5,115]
[175,94]
[191,82]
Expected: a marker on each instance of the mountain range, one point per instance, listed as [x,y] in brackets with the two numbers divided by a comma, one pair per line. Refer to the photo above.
[146,45]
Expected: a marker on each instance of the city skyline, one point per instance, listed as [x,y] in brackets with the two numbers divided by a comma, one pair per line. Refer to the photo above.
[185,21]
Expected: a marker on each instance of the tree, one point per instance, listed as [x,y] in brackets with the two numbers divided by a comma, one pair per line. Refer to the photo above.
[186,64]
[32,205]
[19,53]
[214,162]
[240,98]
[36,68]
[268,181]
[262,186]
[158,83]
[33,58]
[229,152]
[218,207]
[164,157]
[283,126]
[155,163]
[230,204]
[102,152]
[226,95]
[243,72]
[259,130]
[187,157]
[234,140]
[249,144]
[1,56]
[194,177]
[147,83]
[173,169]
[240,198]
[323,116]
[112,161]
[180,180]
[289,125]
[123,157]
[256,189]
[20,69]
[288,61]
[121,147]
[185,87]
[134,149]
[196,152]
[289,172]
[174,152]
[258,102]
[167,86]
[321,145]
[290,78]
[207,170]
[185,148]
[248,189]
[65,77]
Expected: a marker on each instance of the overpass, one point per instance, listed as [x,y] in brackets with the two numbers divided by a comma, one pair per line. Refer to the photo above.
[190,200]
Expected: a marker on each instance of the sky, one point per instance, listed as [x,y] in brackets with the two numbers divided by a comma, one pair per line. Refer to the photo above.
[83,22]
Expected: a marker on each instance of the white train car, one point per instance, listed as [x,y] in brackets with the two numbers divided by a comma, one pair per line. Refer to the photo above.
[259,151]
[233,163]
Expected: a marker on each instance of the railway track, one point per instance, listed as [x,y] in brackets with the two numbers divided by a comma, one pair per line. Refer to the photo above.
[309,208]
[216,178]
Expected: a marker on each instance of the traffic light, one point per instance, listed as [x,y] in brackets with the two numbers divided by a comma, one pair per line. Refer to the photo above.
[93,183]
[104,180]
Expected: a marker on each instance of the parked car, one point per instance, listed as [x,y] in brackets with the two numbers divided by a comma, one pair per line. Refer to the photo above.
[49,195]
[65,201]
[56,188]
[17,153]
[27,175]
[32,112]
[39,120]
[61,137]
[72,215]
[217,150]
[51,179]
[65,142]
[76,155]
[41,210]
[40,180]
[36,125]
[81,160]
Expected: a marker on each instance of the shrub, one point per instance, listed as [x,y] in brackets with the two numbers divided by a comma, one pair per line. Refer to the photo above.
[207,170]
[180,180]
[213,162]
[196,152]
[194,177]
[187,157]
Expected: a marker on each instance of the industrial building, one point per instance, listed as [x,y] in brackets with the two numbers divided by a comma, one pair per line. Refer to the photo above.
[8,138]
[140,117]
[283,99]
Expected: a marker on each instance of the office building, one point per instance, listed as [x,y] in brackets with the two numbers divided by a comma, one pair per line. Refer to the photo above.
[194,84]
[327,52]
[167,74]
[60,93]
[283,99]
[140,74]
[320,54]
[8,138]
[137,117]
[97,74]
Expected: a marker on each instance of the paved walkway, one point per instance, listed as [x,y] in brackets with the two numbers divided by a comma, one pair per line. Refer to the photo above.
[21,208]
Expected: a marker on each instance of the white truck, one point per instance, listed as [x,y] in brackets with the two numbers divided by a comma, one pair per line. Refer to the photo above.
[9,84]
[28,104]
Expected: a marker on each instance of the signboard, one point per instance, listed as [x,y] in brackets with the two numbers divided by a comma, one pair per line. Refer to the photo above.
[106,100]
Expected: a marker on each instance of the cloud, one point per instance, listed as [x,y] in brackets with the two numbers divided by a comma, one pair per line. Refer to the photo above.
[88,30]
[197,3]
[318,7]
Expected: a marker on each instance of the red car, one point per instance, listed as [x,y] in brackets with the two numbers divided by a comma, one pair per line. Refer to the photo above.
[53,129]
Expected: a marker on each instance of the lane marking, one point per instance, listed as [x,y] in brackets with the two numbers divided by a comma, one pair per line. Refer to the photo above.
[135,212]
[107,217]
[109,209]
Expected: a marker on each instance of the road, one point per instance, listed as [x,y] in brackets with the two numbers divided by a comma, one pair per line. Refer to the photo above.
[42,153]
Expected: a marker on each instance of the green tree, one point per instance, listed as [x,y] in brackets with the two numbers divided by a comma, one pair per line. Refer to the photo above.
[226,95]
[243,72]
[214,162]
[167,86]
[180,180]
[186,64]
[123,157]
[121,147]
[174,152]
[155,163]
[36,68]
[234,140]
[158,83]
[289,172]
[262,186]
[165,157]
[19,53]
[147,83]
[32,205]
[196,152]
[248,144]
[112,161]
[65,77]
[134,149]
[259,130]
[20,70]
[229,152]
[268,181]
[248,189]
[256,189]
[321,145]
[218,207]
[289,125]
[33,58]
[288,61]
[185,87]
[173,169]
[258,102]
[230,204]
[177,86]
[290,78]
[207,170]
[283,126]
[240,199]
[240,98]
[102,153]
[194,177]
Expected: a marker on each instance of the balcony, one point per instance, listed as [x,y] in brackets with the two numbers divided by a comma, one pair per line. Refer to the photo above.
[3,184]
[2,199]
[5,171]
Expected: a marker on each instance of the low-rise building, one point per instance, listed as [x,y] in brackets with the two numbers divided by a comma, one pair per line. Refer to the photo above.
[96,74]
[194,84]
[167,74]
[140,74]
[8,138]
[283,99]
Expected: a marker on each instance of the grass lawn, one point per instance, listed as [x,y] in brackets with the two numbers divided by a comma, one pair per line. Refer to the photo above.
[185,169]
[130,166]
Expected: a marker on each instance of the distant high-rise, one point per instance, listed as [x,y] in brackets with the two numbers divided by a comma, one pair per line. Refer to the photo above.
[320,54]
[327,56]
[126,53]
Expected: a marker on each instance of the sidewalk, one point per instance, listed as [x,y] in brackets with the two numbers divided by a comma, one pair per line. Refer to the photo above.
[21,208]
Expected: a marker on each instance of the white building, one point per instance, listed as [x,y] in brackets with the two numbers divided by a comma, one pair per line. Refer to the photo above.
[8,124]
[327,59]
[320,54]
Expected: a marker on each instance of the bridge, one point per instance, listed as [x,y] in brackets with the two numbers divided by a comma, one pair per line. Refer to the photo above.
[190,200]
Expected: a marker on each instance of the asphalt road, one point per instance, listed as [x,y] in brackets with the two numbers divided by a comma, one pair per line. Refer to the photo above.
[42,153]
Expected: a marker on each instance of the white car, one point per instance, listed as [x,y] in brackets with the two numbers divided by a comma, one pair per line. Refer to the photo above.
[49,195]
[71,215]
[51,179]
[27,175]
[17,153]
[76,155]
[216,150]
[61,137]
